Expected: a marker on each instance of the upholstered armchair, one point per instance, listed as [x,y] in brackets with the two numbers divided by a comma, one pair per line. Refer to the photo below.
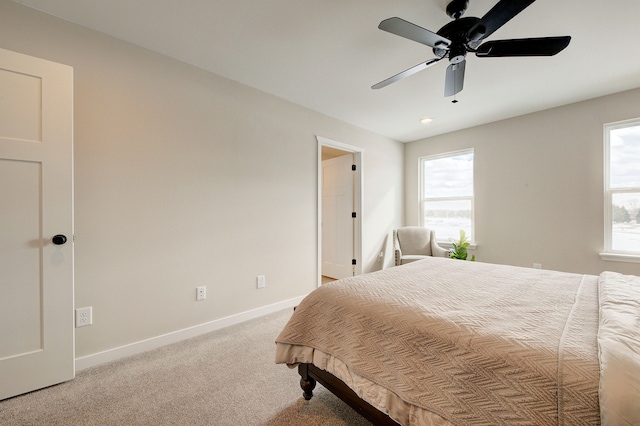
[414,243]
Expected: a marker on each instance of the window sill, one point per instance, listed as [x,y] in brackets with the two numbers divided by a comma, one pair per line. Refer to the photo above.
[617,257]
[448,245]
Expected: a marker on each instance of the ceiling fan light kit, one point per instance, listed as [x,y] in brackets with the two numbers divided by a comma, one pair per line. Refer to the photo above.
[464,35]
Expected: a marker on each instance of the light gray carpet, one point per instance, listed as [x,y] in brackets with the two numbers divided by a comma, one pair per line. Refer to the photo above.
[227,377]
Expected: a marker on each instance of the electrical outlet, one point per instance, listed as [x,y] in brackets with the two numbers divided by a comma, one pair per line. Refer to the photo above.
[261,280]
[537,265]
[201,293]
[84,317]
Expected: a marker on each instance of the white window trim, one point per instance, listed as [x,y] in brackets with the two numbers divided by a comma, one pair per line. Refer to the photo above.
[448,245]
[609,254]
[617,257]
[421,201]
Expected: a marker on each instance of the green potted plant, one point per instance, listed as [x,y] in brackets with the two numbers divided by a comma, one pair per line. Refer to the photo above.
[459,250]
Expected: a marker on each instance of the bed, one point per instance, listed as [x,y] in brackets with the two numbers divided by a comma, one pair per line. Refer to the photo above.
[447,342]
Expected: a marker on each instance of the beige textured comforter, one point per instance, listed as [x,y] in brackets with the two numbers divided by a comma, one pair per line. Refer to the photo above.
[442,341]
[619,346]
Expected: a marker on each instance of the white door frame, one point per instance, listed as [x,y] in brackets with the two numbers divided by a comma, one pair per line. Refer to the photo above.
[357,201]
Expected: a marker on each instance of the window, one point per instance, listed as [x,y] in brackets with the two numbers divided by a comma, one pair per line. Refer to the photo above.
[622,187]
[446,194]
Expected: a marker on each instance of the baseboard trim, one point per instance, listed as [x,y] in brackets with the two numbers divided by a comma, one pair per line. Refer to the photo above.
[98,358]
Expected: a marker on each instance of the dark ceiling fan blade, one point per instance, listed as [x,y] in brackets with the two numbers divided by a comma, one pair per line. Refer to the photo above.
[541,46]
[499,15]
[454,81]
[405,73]
[406,29]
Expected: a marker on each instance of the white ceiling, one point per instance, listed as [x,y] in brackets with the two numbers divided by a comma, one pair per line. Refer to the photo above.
[326,54]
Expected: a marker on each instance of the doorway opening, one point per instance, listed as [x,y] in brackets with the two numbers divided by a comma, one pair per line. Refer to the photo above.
[339,237]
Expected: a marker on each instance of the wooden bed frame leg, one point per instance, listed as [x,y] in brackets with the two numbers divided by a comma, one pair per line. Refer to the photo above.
[310,374]
[307,383]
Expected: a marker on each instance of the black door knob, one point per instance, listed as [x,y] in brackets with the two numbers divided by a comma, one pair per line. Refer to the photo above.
[59,240]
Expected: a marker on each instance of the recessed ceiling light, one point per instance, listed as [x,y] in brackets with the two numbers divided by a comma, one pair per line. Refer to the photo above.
[426,120]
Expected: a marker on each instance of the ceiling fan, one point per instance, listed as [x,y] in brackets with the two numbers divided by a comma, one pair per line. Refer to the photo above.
[463,35]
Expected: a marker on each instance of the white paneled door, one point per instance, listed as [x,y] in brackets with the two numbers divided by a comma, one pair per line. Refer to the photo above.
[337,222]
[36,216]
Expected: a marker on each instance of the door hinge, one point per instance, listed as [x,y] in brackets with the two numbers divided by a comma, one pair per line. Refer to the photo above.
[353,167]
[353,261]
[353,214]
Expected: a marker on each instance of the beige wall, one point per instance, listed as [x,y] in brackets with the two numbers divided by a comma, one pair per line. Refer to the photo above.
[184,179]
[538,184]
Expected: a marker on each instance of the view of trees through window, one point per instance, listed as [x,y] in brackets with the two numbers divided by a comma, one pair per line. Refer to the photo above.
[623,189]
[622,215]
[447,194]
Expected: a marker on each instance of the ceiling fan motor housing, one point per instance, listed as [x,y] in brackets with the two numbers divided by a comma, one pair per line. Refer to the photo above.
[456,31]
